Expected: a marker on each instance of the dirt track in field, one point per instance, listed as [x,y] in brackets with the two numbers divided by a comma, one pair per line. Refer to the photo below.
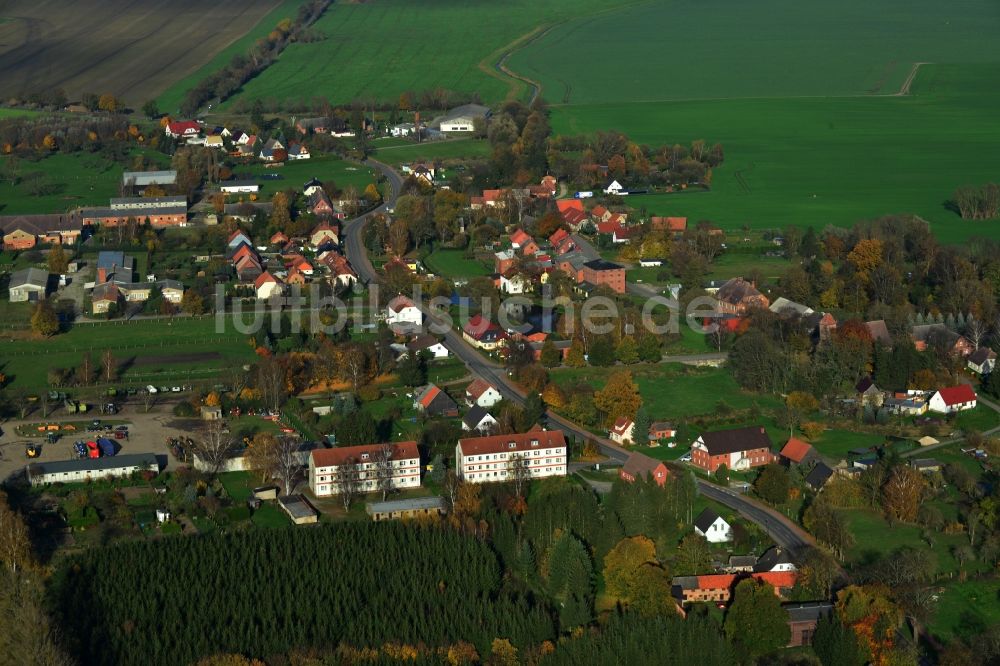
[132,48]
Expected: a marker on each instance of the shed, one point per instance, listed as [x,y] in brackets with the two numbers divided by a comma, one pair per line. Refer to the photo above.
[406,509]
[298,509]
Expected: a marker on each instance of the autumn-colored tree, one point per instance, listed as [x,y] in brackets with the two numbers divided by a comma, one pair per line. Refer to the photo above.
[649,591]
[58,260]
[15,545]
[462,653]
[619,397]
[575,355]
[616,166]
[49,142]
[213,400]
[229,660]
[902,493]
[798,405]
[192,302]
[109,364]
[866,256]
[405,101]
[261,455]
[874,617]
[553,396]
[44,320]
[281,215]
[923,379]
[622,563]
[109,103]
[372,194]
[503,653]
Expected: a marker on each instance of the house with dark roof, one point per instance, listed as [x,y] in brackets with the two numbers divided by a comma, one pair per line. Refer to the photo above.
[462,118]
[818,476]
[638,466]
[982,361]
[737,296]
[483,333]
[623,431]
[712,526]
[68,471]
[774,558]
[796,452]
[599,271]
[803,617]
[478,419]
[939,335]
[737,448]
[432,401]
[23,232]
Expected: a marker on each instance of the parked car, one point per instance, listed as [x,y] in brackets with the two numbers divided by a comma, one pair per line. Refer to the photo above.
[122,427]
[686,457]
[151,389]
[175,389]
[120,434]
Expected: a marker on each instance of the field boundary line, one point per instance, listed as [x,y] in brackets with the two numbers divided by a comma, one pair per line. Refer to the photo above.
[904,90]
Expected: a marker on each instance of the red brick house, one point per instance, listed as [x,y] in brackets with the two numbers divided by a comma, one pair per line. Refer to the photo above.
[599,271]
[738,448]
[719,587]
[639,466]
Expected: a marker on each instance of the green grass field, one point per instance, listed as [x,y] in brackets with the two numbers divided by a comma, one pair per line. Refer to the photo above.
[83,180]
[834,444]
[770,48]
[162,351]
[454,264]
[401,153]
[967,608]
[170,99]
[672,391]
[295,173]
[378,50]
[819,161]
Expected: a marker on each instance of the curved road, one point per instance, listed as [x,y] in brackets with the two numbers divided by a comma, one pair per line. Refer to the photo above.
[783,531]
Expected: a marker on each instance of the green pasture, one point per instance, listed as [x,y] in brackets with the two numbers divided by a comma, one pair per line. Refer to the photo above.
[656,51]
[295,173]
[834,444]
[965,609]
[432,150]
[149,351]
[378,50]
[170,100]
[820,161]
[80,179]
[673,391]
[454,264]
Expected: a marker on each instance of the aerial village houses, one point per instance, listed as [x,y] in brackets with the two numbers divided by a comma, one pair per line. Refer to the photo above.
[28,285]
[982,361]
[718,588]
[622,431]
[402,313]
[432,401]
[23,232]
[363,463]
[478,419]
[739,449]
[796,452]
[488,459]
[737,296]
[483,334]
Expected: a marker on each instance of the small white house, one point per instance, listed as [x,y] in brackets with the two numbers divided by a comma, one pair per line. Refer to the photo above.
[982,361]
[623,431]
[402,312]
[426,343]
[267,286]
[650,263]
[240,187]
[513,283]
[482,393]
[713,527]
[615,188]
[479,420]
[953,399]
[403,129]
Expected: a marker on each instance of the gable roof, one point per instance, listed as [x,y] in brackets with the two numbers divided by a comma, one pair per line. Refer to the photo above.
[879,331]
[520,237]
[400,303]
[982,355]
[558,236]
[706,519]
[736,291]
[263,279]
[771,558]
[478,387]
[735,440]
[475,416]
[864,384]
[796,450]
[474,446]
[956,395]
[35,277]
[639,465]
[819,475]
[352,454]
[621,426]
[563,205]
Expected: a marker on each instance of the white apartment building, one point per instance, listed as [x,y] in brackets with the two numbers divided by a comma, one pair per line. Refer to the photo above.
[488,459]
[325,464]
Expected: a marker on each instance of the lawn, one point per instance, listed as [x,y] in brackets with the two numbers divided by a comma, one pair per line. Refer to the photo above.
[875,537]
[739,264]
[965,609]
[378,50]
[295,173]
[675,51]
[818,161]
[980,419]
[81,179]
[170,100]
[454,264]
[433,150]
[834,444]
[159,352]
[672,391]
